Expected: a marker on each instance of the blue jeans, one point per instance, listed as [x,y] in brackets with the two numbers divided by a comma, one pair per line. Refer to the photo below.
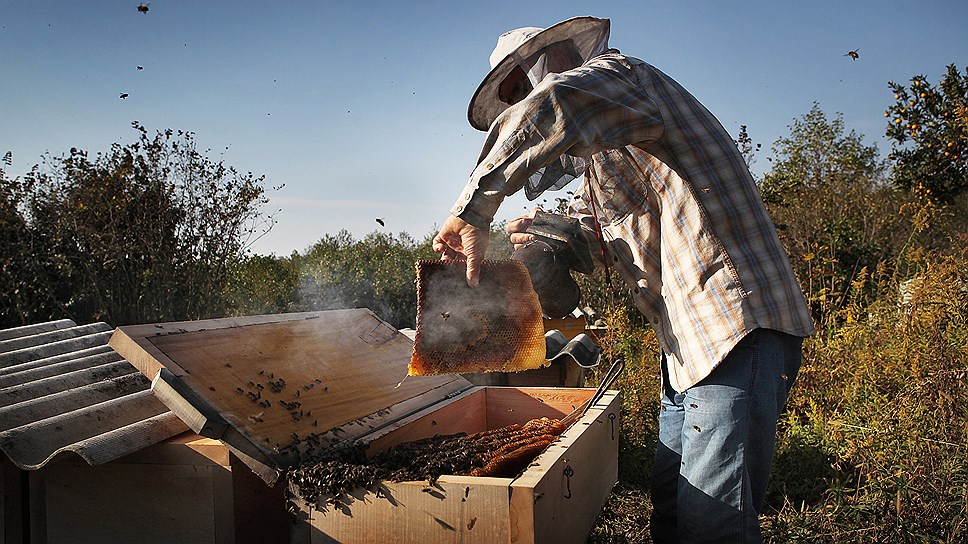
[712,462]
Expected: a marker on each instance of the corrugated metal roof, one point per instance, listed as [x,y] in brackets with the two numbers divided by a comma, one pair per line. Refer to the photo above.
[63,389]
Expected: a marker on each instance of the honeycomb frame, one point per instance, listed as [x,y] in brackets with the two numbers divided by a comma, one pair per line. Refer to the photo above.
[494,327]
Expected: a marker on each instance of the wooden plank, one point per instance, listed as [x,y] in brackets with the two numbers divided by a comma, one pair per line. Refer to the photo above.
[260,510]
[190,407]
[14,523]
[507,405]
[558,499]
[187,448]
[274,379]
[143,503]
[454,509]
[461,414]
[223,506]
[132,343]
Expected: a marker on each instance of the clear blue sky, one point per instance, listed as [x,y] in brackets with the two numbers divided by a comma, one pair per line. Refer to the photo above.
[359,108]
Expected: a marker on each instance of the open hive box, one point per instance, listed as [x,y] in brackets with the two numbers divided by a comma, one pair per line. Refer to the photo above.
[268,386]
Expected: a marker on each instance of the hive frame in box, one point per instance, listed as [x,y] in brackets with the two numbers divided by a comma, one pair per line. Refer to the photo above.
[556,500]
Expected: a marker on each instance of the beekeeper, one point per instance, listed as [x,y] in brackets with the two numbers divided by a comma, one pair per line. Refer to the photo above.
[669,204]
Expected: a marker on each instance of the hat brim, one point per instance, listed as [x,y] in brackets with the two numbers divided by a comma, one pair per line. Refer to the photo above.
[586,32]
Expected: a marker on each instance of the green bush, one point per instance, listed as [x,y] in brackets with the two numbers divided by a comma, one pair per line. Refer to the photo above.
[148,231]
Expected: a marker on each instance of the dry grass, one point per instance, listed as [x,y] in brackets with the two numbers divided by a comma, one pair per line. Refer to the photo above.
[872,446]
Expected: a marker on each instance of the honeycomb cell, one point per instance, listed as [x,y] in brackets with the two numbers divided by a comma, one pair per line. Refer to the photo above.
[495,327]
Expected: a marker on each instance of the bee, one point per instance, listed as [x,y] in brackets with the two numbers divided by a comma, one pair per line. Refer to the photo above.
[445,315]
[854,55]
[123,96]
[380,221]
[143,7]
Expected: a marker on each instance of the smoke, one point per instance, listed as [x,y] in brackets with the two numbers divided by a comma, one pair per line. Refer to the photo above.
[454,319]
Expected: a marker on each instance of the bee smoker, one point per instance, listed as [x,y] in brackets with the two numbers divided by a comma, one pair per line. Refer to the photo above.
[558,248]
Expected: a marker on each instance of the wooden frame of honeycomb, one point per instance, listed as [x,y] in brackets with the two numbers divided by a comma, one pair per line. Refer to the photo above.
[495,327]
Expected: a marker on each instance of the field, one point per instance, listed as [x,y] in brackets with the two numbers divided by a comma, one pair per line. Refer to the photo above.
[872,445]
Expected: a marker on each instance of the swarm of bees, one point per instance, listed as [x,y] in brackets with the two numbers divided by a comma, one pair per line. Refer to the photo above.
[503,452]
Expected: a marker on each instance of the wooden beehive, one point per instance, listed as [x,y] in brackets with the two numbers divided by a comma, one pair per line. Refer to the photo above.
[357,362]
[184,489]
[556,500]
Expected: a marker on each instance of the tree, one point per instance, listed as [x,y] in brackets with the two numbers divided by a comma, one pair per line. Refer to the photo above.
[832,205]
[264,284]
[928,126]
[747,148]
[818,154]
[148,231]
[376,272]
[20,288]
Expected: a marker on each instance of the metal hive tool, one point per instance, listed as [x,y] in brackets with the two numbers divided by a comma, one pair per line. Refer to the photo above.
[495,327]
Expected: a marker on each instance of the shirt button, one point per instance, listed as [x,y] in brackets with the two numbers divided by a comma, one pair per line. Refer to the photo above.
[459,209]
[467,196]
[489,166]
[655,320]
[636,290]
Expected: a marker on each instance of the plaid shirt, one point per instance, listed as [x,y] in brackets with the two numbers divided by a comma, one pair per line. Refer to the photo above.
[682,218]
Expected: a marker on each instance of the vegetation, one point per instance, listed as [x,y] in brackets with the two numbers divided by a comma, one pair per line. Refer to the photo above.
[872,446]
[929,128]
[149,231]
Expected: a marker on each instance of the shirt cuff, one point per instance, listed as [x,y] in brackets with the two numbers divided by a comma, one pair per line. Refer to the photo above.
[476,208]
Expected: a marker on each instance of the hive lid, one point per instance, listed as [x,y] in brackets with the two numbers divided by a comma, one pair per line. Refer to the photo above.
[266,384]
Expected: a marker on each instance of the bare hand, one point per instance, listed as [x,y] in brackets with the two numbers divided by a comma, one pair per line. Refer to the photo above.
[517,228]
[459,239]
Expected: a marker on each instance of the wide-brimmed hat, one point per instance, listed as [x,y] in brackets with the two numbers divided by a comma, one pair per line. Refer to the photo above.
[587,33]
